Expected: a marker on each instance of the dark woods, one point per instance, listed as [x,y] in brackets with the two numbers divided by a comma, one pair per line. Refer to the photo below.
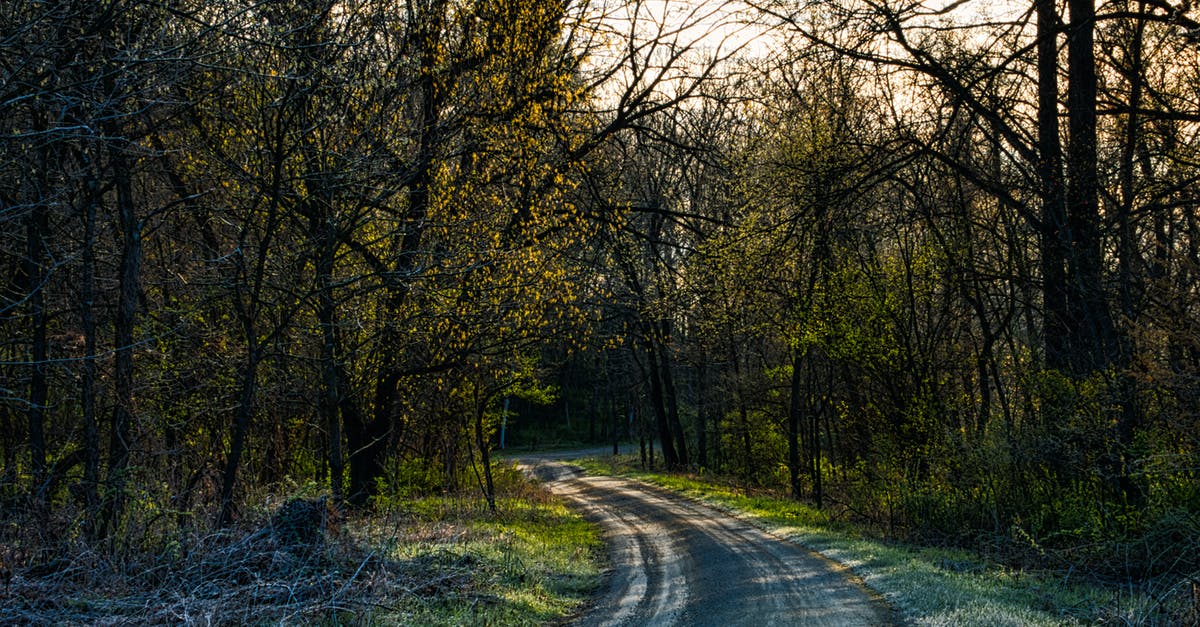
[258,245]
[938,275]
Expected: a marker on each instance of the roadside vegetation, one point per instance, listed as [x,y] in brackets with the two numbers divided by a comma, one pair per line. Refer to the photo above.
[430,560]
[1000,582]
[933,269]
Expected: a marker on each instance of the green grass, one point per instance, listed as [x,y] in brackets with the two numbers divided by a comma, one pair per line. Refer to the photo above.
[436,560]
[533,562]
[928,585]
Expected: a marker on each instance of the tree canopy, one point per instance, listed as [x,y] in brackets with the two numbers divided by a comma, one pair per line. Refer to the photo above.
[928,265]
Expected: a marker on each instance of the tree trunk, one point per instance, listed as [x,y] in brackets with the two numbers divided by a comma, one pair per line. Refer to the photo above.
[326,318]
[36,226]
[795,407]
[241,427]
[702,410]
[743,411]
[817,478]
[366,438]
[1130,273]
[672,399]
[489,491]
[120,443]
[658,402]
[1054,237]
[641,431]
[1092,333]
[87,384]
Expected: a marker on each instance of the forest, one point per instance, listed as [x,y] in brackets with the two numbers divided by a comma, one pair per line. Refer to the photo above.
[930,265]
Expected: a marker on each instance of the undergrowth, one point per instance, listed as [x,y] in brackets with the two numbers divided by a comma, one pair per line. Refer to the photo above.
[933,585]
[433,561]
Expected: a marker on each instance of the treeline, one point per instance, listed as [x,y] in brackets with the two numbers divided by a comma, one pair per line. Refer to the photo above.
[937,271]
[248,246]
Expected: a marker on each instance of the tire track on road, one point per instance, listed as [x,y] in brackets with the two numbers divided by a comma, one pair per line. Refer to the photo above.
[678,562]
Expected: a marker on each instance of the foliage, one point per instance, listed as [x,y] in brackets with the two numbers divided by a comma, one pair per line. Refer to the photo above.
[898,261]
[876,270]
[339,233]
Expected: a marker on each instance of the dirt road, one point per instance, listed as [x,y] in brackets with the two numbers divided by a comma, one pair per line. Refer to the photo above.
[677,562]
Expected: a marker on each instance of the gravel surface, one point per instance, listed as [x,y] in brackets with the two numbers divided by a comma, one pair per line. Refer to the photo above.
[678,562]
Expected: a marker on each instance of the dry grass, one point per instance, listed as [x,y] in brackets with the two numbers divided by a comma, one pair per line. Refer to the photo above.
[436,561]
[233,578]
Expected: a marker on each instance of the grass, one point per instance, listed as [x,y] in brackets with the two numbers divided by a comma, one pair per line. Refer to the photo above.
[929,585]
[442,560]
[534,562]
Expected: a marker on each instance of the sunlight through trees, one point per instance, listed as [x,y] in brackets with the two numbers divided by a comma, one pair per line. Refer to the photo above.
[931,267]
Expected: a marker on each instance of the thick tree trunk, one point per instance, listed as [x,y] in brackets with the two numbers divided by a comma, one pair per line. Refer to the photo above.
[1054,236]
[1092,333]
[366,438]
[1130,272]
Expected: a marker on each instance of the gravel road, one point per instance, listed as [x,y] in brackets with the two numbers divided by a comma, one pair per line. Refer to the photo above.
[678,562]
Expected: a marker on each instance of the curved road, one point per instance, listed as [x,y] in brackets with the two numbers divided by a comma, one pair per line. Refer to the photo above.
[677,562]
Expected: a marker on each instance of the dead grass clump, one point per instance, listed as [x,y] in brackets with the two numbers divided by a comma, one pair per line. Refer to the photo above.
[303,523]
[264,573]
[430,560]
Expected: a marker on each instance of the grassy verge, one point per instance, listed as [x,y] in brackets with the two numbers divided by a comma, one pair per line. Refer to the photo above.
[534,562]
[929,585]
[427,561]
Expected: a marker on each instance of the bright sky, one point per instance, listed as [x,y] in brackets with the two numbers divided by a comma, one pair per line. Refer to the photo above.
[723,27]
[673,39]
[710,27]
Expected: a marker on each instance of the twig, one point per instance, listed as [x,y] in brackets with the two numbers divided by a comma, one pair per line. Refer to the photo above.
[349,581]
[432,583]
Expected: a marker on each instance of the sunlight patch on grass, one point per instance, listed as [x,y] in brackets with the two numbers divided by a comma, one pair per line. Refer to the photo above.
[533,562]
